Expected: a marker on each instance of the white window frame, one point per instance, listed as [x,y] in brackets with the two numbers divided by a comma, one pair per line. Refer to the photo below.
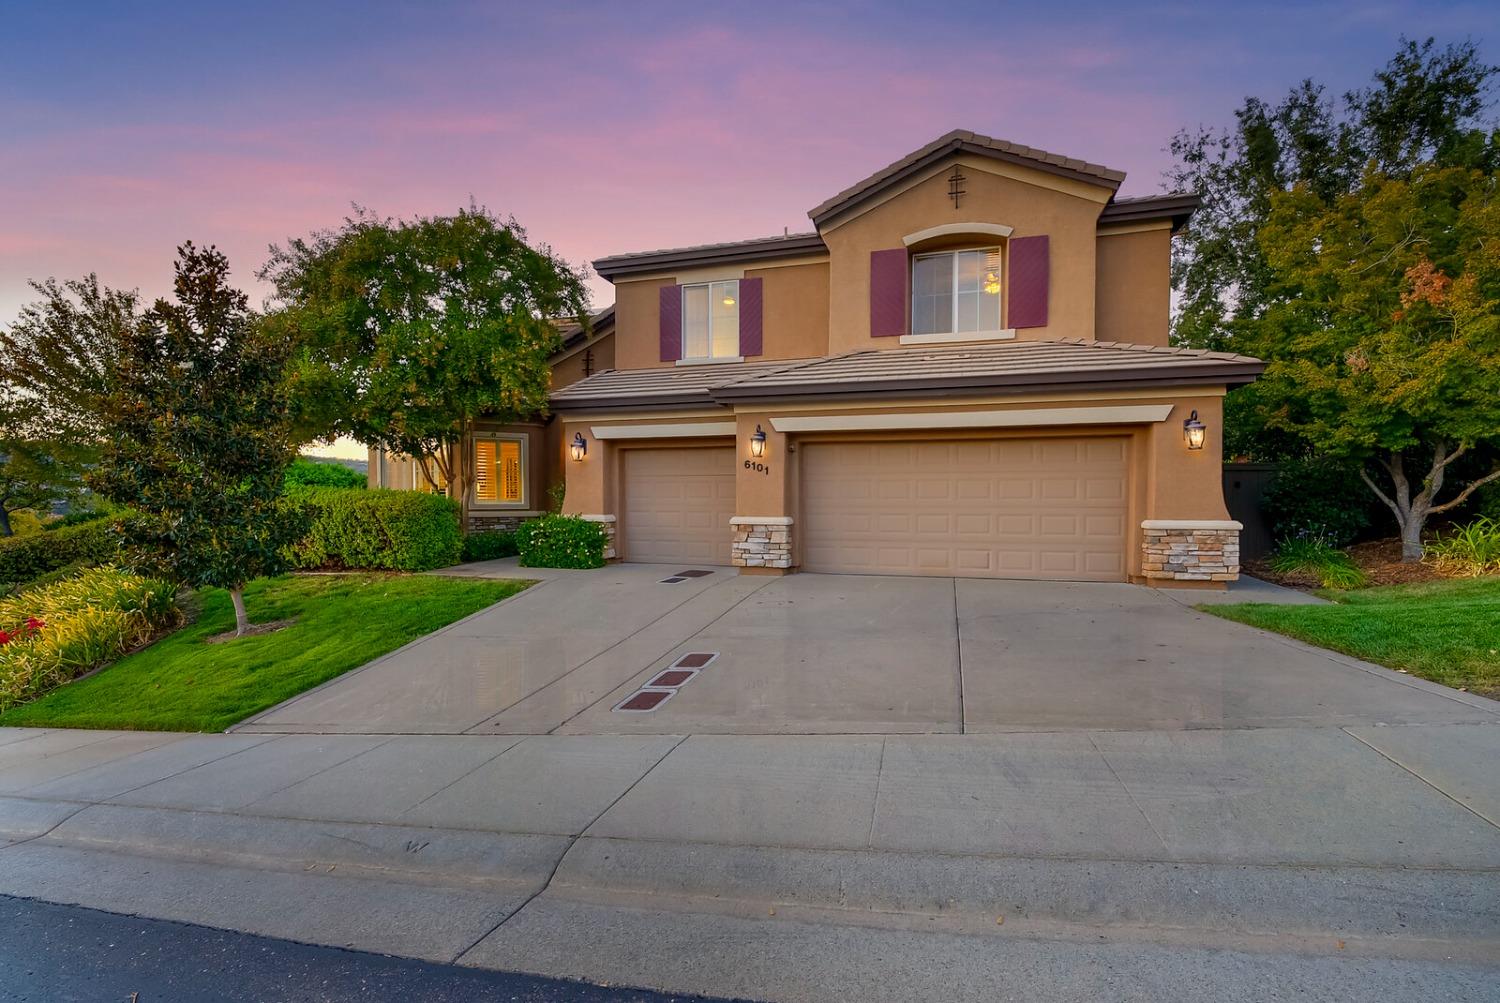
[999,333]
[687,359]
[525,449]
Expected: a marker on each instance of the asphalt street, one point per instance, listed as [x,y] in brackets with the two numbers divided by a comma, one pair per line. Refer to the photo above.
[59,954]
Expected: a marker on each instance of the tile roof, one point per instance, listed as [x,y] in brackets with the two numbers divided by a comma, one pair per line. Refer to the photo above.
[960,368]
[669,384]
[972,142]
[1176,206]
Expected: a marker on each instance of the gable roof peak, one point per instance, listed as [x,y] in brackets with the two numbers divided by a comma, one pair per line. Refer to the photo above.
[965,141]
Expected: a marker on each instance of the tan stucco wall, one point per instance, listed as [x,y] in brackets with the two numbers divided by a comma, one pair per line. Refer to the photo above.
[569,369]
[1134,290]
[1031,202]
[794,321]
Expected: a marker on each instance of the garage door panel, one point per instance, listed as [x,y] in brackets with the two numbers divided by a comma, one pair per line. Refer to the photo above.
[678,503]
[1011,508]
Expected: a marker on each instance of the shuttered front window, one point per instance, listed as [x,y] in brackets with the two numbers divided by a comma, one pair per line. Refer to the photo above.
[711,320]
[956,292]
[499,471]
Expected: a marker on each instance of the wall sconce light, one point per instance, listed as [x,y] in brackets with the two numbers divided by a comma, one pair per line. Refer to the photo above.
[1194,431]
[758,442]
[579,447]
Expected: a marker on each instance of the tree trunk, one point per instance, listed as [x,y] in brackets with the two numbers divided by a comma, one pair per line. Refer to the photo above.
[4,522]
[241,621]
[1411,537]
[1413,511]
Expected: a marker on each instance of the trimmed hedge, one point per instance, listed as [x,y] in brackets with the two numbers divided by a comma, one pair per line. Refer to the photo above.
[363,528]
[311,474]
[26,558]
[561,541]
[489,545]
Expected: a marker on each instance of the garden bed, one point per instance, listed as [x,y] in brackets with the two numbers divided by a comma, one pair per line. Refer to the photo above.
[1380,560]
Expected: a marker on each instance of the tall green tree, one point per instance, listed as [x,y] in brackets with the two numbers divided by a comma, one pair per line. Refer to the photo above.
[62,349]
[1426,105]
[199,436]
[34,470]
[413,330]
[1382,331]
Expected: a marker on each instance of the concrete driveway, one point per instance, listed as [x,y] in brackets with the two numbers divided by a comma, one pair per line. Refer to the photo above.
[827,654]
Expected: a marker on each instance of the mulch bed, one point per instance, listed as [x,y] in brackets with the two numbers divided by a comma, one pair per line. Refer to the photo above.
[1380,560]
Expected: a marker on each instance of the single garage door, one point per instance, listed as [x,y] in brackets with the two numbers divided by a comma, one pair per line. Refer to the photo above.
[1002,508]
[678,503]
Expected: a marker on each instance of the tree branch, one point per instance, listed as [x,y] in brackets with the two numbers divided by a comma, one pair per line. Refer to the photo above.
[1365,476]
[1463,495]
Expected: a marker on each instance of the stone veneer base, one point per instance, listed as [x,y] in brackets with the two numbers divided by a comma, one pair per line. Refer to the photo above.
[1190,551]
[761,542]
[608,522]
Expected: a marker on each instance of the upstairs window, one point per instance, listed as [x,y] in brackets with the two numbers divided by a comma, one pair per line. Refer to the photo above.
[956,292]
[499,465]
[711,320]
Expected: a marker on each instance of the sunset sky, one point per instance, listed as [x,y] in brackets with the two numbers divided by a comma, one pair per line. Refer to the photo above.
[130,127]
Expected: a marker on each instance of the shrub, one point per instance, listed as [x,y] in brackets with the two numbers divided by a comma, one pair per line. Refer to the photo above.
[51,635]
[311,474]
[1472,550]
[489,545]
[394,530]
[561,541]
[1317,499]
[26,558]
[1333,568]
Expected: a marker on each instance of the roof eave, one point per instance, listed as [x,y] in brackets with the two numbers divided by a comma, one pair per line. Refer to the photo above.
[773,249]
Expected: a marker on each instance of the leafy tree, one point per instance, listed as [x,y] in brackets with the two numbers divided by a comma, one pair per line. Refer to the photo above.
[200,436]
[62,349]
[1382,331]
[34,471]
[415,329]
[1425,106]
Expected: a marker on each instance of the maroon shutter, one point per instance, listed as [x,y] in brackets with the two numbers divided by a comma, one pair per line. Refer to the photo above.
[888,293]
[750,317]
[671,323]
[1028,281]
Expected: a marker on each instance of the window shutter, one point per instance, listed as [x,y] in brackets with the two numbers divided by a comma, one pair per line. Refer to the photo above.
[1029,276]
[751,339]
[888,293]
[671,323]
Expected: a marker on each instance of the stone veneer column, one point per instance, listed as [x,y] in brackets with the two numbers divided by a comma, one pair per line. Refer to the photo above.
[608,522]
[1191,550]
[761,541]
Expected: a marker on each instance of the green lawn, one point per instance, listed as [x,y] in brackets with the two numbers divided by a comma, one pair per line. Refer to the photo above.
[182,683]
[1448,632]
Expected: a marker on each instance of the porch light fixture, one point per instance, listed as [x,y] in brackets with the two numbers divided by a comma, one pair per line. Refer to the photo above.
[1194,431]
[579,447]
[758,442]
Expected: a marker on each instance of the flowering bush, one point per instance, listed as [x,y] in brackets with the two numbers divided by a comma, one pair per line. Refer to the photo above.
[561,541]
[53,634]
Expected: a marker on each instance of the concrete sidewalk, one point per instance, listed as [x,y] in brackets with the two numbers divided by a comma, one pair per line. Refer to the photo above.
[1226,862]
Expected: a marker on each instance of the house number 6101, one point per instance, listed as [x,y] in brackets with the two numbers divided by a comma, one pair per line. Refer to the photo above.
[759,468]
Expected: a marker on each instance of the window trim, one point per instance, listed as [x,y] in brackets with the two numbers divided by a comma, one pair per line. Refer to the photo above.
[999,333]
[525,448]
[682,335]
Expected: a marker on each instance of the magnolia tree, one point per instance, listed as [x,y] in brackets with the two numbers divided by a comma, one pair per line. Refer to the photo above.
[412,330]
[199,436]
[1382,333]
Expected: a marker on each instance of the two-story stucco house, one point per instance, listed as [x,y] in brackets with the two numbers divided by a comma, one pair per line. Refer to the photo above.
[963,370]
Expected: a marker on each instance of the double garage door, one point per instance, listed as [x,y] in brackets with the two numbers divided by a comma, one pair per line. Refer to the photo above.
[1051,508]
[1001,508]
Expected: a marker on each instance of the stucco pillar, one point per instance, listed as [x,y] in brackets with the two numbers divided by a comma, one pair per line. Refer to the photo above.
[590,488]
[762,526]
[1186,535]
